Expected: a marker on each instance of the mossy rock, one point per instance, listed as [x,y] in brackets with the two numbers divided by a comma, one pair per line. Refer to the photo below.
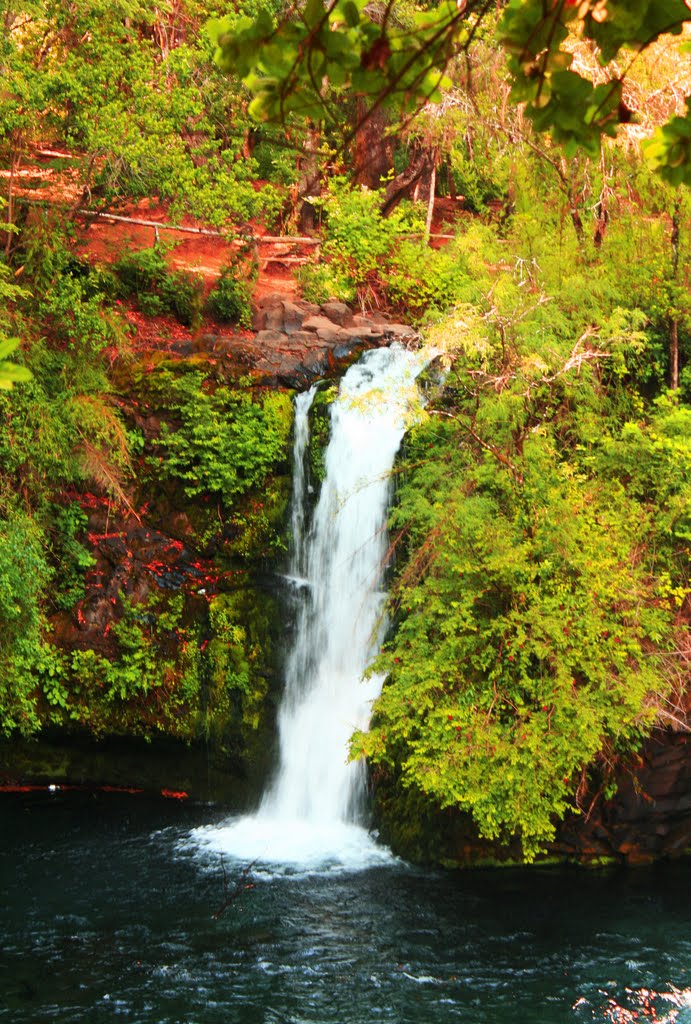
[240,678]
[320,431]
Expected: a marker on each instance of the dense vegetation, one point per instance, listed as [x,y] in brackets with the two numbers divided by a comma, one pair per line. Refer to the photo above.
[540,600]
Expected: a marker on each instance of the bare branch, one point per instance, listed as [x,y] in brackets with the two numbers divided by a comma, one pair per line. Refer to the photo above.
[242,885]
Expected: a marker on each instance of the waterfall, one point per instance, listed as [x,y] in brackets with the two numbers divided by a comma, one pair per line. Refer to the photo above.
[313,810]
[301,436]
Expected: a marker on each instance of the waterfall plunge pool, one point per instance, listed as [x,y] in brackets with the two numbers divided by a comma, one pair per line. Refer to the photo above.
[107,915]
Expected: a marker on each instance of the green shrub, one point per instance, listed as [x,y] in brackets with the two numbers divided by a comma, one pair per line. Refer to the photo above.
[71,558]
[147,277]
[542,567]
[150,683]
[380,261]
[230,300]
[24,575]
[227,440]
[319,282]
[183,294]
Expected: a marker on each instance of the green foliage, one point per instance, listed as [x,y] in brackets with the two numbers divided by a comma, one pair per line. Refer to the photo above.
[523,657]
[38,435]
[384,261]
[544,538]
[236,693]
[132,91]
[238,657]
[652,463]
[24,574]
[80,319]
[669,150]
[255,528]
[320,432]
[60,428]
[230,300]
[73,299]
[475,184]
[147,276]
[227,441]
[165,671]
[340,47]
[11,373]
[71,558]
[152,682]
[299,64]
[561,100]
[227,649]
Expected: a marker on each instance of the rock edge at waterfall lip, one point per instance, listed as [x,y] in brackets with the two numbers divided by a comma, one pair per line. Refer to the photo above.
[297,342]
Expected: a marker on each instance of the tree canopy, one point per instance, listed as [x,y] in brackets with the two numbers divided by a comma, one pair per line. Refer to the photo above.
[397,56]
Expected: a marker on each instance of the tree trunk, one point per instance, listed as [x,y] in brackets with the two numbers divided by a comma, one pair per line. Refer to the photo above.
[601,221]
[674,327]
[373,147]
[15,160]
[674,355]
[309,183]
[430,204]
[421,163]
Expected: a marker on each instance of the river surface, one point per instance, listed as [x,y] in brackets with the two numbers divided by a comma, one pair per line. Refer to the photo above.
[108,907]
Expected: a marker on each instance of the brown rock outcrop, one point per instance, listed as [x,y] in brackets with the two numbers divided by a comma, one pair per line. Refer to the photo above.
[298,342]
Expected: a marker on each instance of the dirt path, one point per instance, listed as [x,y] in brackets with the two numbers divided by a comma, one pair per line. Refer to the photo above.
[105,239]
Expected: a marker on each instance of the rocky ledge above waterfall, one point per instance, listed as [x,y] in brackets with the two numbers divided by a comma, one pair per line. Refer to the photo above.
[298,342]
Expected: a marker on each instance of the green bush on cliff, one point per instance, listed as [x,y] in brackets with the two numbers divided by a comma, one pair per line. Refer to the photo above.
[24,574]
[70,556]
[540,579]
[147,276]
[385,261]
[230,300]
[227,440]
[233,686]
[150,682]
[526,652]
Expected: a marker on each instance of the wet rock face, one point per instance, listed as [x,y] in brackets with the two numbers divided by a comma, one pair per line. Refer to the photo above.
[298,342]
[647,819]
[131,563]
[650,815]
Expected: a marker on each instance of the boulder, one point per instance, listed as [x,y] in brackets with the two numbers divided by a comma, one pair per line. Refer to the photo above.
[368,333]
[330,335]
[269,319]
[338,312]
[297,341]
[317,322]
[269,339]
[399,332]
[302,341]
[294,313]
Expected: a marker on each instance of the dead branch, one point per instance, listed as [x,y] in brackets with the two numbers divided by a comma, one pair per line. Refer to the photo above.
[242,885]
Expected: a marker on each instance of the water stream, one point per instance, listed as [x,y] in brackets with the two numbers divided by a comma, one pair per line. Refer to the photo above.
[314,811]
[108,916]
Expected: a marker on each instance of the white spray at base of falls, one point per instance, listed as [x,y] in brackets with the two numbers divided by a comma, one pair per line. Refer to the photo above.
[312,812]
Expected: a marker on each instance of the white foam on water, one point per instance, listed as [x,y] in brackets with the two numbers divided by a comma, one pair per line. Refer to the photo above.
[289,846]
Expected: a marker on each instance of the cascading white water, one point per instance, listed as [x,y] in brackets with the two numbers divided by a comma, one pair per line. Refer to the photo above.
[301,436]
[341,619]
[312,811]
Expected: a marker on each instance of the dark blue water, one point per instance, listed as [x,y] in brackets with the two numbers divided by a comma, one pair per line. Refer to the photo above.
[107,915]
